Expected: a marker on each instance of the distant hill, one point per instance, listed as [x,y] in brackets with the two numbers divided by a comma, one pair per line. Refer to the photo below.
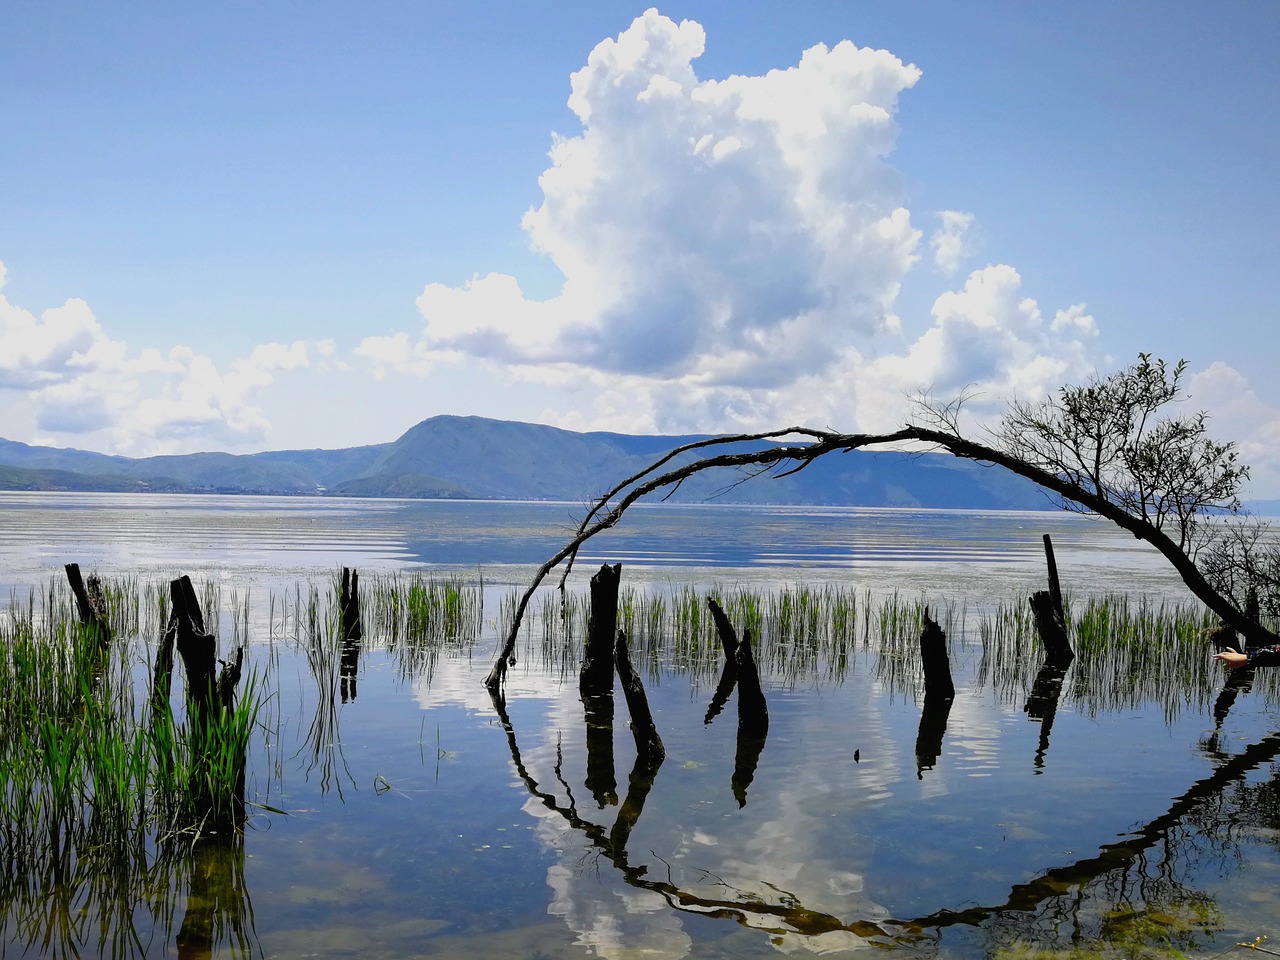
[479,458]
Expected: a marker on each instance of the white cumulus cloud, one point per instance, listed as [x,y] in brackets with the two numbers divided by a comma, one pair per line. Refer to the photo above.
[74,383]
[730,233]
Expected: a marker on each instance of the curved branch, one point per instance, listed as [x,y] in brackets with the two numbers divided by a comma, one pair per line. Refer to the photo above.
[1076,490]
[603,500]
[827,443]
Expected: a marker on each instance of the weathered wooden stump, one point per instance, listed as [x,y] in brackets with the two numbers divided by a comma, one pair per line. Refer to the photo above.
[349,605]
[1051,619]
[939,693]
[210,693]
[753,710]
[352,633]
[643,729]
[595,679]
[933,655]
[91,604]
[729,673]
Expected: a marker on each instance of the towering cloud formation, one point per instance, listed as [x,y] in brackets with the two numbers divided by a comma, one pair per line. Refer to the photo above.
[734,233]
[733,253]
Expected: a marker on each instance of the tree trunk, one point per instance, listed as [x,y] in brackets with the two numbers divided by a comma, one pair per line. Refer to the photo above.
[352,633]
[648,743]
[596,676]
[90,603]
[933,654]
[1051,619]
[349,605]
[753,711]
[729,674]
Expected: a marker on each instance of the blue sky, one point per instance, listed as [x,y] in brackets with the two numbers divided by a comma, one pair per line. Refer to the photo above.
[251,226]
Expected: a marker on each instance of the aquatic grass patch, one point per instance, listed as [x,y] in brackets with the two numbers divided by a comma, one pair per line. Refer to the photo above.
[100,790]
[1130,650]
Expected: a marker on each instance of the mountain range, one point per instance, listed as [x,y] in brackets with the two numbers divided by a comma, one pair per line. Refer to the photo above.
[479,458]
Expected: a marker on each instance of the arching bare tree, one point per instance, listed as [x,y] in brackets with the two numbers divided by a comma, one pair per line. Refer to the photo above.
[1116,446]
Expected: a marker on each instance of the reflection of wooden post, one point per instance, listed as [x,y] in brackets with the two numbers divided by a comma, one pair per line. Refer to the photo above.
[729,674]
[1042,704]
[932,730]
[596,677]
[1051,619]
[217,899]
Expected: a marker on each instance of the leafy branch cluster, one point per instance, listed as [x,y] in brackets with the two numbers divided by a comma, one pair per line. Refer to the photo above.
[1111,437]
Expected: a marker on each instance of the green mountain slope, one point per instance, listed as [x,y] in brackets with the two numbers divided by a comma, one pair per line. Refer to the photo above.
[475,457]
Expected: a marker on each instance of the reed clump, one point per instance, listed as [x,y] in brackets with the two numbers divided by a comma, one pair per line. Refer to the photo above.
[99,787]
[1129,650]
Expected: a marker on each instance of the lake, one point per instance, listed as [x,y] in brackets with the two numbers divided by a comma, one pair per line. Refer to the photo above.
[404,812]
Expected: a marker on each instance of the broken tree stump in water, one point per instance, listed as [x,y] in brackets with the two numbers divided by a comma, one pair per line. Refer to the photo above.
[753,711]
[349,605]
[210,698]
[753,720]
[91,604]
[939,692]
[933,654]
[729,674]
[648,743]
[352,633]
[595,679]
[1051,619]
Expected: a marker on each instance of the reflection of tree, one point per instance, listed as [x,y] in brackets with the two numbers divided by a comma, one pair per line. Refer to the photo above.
[1042,704]
[933,728]
[788,915]
[1121,873]
[1115,883]
[125,903]
[218,907]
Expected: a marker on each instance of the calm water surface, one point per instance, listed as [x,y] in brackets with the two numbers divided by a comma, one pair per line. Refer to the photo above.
[421,818]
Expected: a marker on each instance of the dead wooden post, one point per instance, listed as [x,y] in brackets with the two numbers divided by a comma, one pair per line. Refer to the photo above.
[352,633]
[1055,588]
[729,674]
[209,694]
[162,674]
[90,603]
[595,684]
[595,679]
[349,605]
[939,692]
[643,729]
[753,711]
[933,654]
[197,648]
[1051,619]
